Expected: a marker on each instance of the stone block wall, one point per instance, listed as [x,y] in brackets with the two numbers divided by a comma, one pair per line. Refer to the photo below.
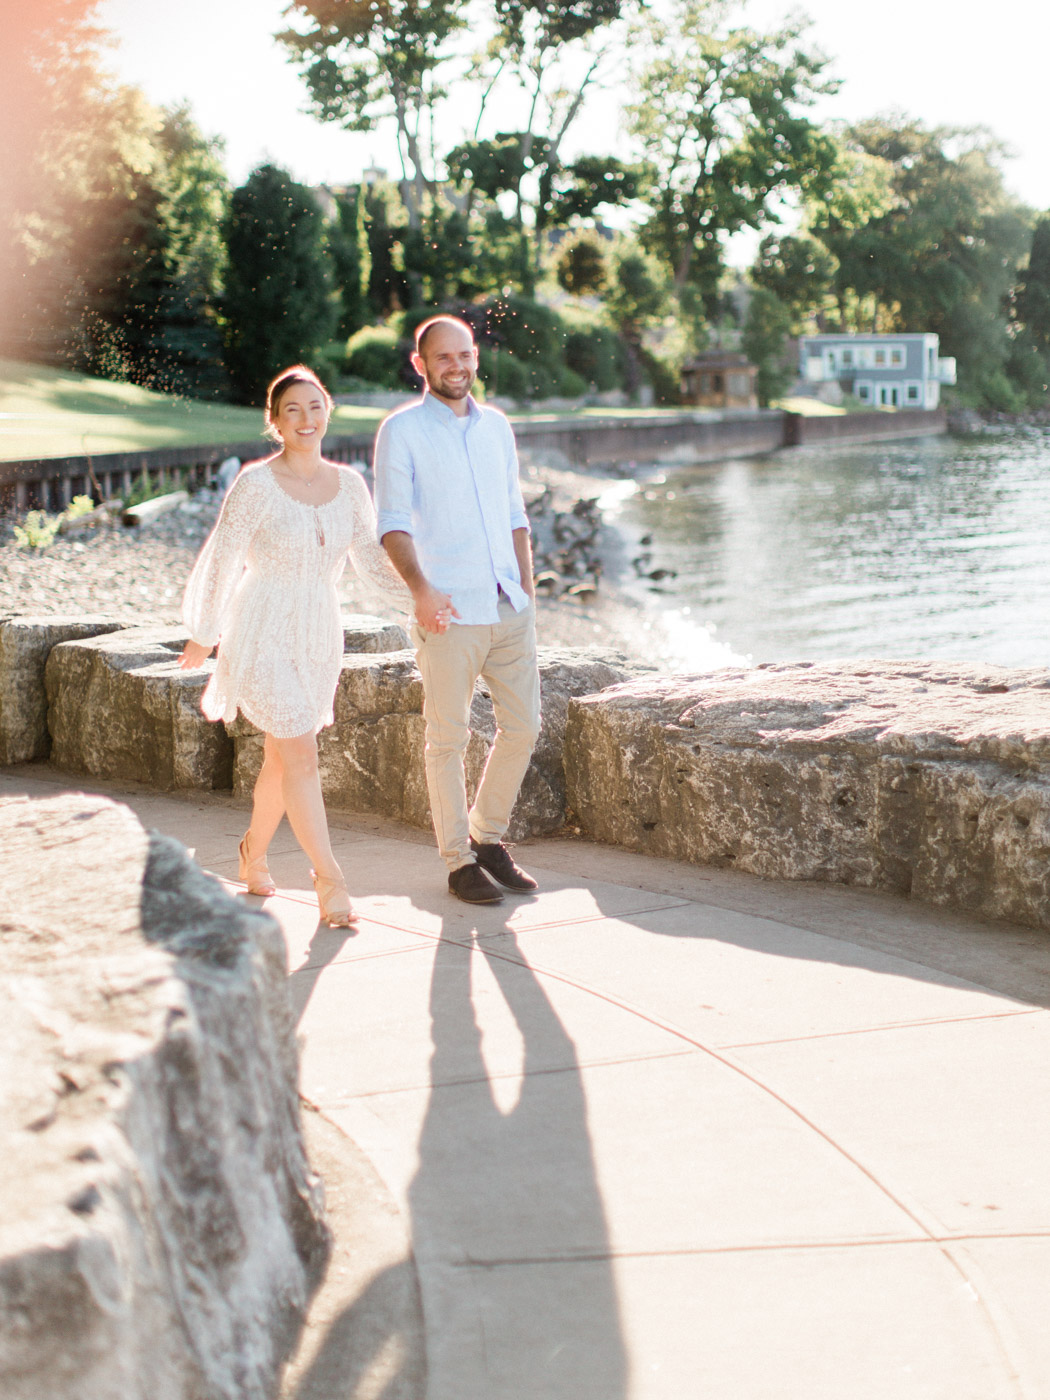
[25,645]
[371,758]
[927,779]
[930,780]
[160,1229]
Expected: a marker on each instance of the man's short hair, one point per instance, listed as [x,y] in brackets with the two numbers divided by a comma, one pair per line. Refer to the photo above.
[423,330]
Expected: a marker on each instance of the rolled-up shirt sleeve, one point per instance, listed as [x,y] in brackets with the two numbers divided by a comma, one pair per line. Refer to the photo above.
[394,480]
[519,520]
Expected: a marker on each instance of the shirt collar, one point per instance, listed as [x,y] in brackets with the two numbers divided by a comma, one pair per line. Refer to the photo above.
[442,410]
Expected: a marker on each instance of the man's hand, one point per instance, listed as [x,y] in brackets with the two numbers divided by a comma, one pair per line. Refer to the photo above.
[434,610]
[194,655]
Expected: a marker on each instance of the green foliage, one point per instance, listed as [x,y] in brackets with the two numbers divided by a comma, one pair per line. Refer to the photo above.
[496,166]
[148,488]
[663,376]
[117,249]
[1032,298]
[278,303]
[351,259]
[376,354]
[943,256]
[580,189]
[764,342]
[39,529]
[580,266]
[572,385]
[594,353]
[720,115]
[361,60]
[799,271]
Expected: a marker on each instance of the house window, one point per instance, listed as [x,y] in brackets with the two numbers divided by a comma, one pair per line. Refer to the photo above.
[880,359]
[847,358]
[863,391]
[897,355]
[914,393]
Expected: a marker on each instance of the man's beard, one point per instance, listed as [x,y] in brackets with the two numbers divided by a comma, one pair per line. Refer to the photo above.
[454,391]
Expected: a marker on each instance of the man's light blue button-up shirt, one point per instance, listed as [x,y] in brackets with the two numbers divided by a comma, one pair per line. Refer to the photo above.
[455,490]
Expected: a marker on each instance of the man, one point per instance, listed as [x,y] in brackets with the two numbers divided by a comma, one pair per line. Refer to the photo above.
[451,517]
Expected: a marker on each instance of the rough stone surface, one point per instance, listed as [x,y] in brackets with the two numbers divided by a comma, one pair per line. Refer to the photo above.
[25,644]
[371,758]
[119,707]
[364,632]
[926,779]
[160,1229]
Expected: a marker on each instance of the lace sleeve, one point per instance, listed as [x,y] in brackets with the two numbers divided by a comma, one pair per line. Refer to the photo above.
[220,565]
[369,558]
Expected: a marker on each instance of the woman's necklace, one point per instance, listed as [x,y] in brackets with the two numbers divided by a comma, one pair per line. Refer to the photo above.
[309,481]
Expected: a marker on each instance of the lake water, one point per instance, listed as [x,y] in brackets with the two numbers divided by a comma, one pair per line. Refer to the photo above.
[933,548]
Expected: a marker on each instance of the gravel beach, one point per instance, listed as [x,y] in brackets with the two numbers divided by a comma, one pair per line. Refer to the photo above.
[138,575]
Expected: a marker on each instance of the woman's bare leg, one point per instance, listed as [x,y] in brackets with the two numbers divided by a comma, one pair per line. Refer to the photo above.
[267,800]
[302,801]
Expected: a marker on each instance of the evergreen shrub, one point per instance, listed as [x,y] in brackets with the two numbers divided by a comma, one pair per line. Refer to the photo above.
[593,352]
[375,354]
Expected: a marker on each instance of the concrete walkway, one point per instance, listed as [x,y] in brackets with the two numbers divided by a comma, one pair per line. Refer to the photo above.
[659,1133]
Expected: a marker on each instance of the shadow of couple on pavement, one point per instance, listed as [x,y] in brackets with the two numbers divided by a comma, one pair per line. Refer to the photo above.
[507,1225]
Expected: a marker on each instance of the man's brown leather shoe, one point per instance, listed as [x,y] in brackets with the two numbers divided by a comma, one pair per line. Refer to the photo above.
[494,857]
[473,886]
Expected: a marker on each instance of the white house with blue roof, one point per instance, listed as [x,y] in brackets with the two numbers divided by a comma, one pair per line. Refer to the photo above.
[885,371]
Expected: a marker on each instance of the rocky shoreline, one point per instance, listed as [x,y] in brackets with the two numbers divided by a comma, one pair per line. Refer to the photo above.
[137,576]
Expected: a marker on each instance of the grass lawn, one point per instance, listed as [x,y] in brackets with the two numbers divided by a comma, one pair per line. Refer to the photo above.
[55,413]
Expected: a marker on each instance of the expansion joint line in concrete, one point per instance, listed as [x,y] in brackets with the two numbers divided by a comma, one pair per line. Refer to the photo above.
[607,1256]
[997,1323]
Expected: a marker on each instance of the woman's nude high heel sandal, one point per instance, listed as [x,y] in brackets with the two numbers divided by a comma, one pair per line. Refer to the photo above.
[333,902]
[254,873]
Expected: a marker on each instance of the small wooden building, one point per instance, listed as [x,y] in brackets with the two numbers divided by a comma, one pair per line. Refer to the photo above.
[719,379]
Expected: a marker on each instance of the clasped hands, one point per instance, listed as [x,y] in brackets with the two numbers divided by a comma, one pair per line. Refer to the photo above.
[434,610]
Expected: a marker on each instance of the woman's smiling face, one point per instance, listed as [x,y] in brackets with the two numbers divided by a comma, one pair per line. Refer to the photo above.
[302,415]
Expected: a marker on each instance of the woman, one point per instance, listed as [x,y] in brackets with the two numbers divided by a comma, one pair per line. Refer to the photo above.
[264,587]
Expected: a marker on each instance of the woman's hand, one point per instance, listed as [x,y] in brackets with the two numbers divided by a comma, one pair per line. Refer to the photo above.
[194,655]
[434,610]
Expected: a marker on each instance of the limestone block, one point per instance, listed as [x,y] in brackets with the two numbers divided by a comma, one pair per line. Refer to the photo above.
[119,707]
[927,779]
[25,644]
[160,1228]
[371,758]
[364,632]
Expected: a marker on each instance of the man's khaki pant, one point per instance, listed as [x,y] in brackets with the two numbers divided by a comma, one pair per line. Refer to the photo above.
[504,656]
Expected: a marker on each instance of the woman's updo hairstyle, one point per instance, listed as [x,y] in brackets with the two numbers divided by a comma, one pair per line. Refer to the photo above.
[279,386]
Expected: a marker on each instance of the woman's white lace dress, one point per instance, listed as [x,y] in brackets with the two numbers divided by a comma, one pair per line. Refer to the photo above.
[264,588]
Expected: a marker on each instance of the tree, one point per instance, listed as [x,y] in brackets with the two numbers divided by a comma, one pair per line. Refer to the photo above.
[365,61]
[395,60]
[636,296]
[48,114]
[1032,298]
[720,117]
[183,349]
[944,255]
[278,303]
[766,329]
[581,264]
[799,271]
